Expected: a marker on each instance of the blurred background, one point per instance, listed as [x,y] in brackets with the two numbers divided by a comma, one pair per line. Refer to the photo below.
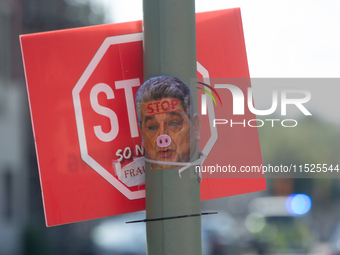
[295,39]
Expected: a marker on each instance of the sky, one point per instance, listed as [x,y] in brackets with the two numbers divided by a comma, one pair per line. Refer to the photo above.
[284,39]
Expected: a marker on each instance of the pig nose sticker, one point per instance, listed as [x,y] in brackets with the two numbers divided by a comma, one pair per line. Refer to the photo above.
[163,140]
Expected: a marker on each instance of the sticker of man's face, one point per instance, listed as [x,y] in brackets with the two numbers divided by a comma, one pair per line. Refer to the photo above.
[167,132]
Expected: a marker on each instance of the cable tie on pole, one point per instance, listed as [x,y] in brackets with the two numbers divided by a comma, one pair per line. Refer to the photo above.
[173,217]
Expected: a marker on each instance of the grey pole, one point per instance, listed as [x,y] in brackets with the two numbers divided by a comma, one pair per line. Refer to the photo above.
[170,49]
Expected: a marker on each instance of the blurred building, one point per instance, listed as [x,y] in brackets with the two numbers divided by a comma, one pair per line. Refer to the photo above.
[13,160]
[22,227]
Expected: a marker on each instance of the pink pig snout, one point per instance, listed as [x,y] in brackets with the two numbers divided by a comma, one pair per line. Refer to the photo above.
[163,140]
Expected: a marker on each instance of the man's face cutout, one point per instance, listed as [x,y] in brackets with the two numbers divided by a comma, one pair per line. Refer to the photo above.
[167,132]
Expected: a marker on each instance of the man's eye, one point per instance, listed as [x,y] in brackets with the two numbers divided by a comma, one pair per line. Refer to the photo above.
[153,127]
[174,124]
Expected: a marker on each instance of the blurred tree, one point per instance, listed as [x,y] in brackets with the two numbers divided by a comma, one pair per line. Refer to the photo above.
[312,141]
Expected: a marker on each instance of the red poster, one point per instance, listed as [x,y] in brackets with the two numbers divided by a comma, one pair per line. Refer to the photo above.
[81,85]
[222,59]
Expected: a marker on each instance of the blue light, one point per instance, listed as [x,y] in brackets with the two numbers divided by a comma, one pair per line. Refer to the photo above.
[298,204]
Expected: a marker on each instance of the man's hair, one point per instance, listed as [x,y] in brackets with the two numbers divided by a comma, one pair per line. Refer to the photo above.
[163,86]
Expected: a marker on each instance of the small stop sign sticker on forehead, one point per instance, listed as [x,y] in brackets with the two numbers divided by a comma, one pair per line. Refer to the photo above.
[163,106]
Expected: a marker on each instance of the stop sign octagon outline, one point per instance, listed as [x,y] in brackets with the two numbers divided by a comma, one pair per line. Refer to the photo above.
[80,121]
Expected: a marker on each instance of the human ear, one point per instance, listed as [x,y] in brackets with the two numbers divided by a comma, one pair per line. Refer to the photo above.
[196,121]
[140,132]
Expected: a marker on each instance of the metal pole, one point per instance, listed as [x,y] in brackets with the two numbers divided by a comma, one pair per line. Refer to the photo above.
[170,49]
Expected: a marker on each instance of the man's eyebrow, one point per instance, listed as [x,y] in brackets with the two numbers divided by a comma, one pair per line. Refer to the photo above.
[149,118]
[175,114]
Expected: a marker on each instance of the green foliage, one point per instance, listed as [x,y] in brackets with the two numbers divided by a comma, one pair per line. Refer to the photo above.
[310,142]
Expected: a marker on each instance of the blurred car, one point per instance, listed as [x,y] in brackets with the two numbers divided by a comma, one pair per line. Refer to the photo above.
[334,241]
[114,236]
[220,235]
[275,228]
